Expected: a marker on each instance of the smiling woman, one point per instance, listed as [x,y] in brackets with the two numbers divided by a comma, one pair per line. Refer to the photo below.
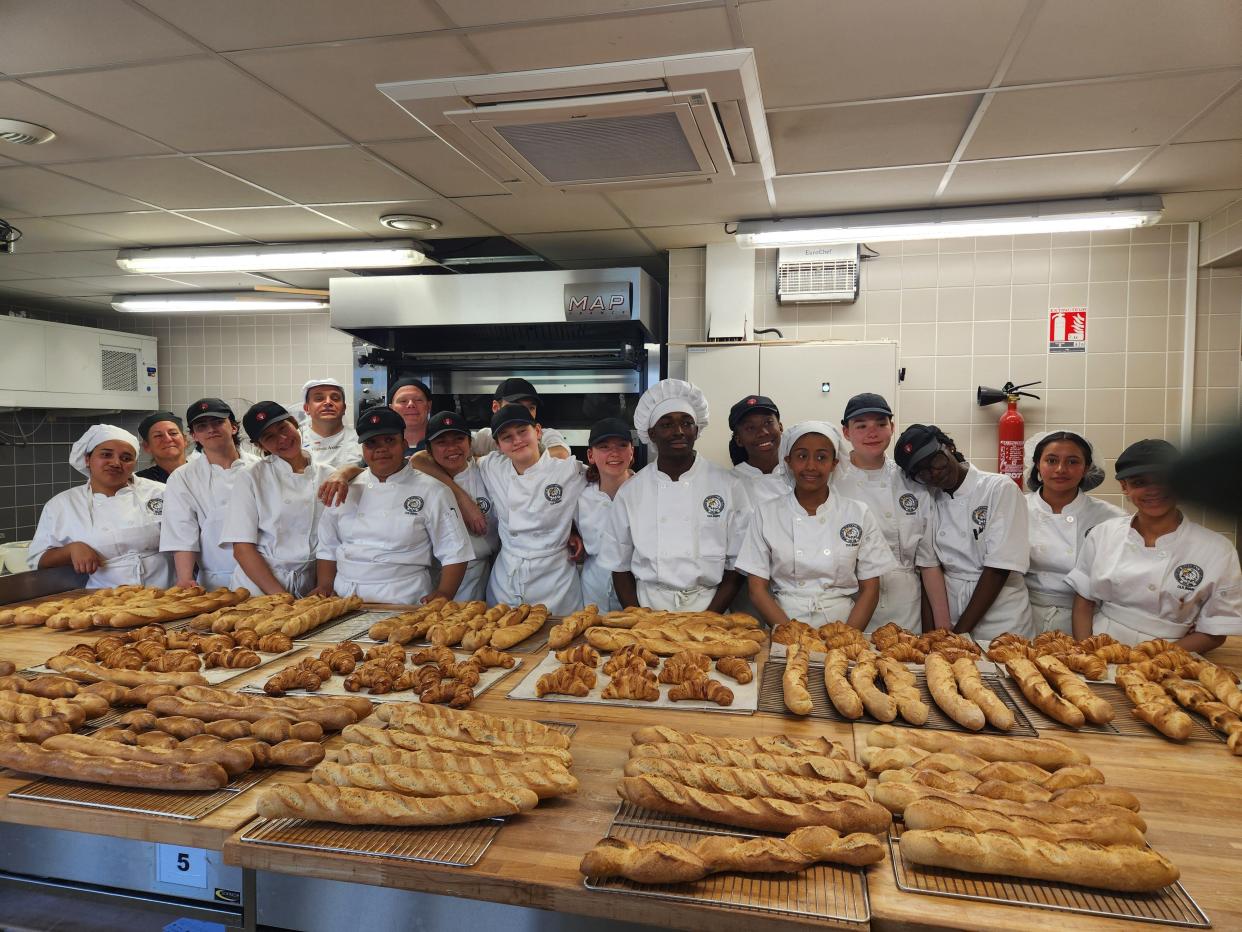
[164,440]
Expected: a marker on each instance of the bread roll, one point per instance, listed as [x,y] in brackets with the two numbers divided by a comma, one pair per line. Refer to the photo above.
[1046,752]
[933,812]
[942,685]
[794,681]
[351,806]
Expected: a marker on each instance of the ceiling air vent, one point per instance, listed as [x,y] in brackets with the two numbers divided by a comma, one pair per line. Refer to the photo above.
[685,118]
[24,134]
[817,274]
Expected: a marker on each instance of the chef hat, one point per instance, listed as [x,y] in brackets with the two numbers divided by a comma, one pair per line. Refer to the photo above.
[1032,448]
[665,397]
[317,383]
[94,436]
[801,429]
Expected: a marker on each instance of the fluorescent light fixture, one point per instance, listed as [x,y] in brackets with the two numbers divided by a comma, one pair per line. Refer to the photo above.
[198,301]
[1101,213]
[374,254]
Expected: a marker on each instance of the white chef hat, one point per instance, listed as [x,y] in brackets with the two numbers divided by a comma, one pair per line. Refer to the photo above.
[94,436]
[316,383]
[801,429]
[1090,480]
[665,397]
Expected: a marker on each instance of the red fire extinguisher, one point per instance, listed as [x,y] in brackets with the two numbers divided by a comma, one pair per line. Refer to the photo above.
[1010,430]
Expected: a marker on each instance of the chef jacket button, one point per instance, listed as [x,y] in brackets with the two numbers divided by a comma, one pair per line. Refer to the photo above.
[1161,553]
[820,520]
[1069,519]
[1151,587]
[799,553]
[827,552]
[941,534]
[888,514]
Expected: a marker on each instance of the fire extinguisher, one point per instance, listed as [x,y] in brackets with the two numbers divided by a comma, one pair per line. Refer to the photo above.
[1010,432]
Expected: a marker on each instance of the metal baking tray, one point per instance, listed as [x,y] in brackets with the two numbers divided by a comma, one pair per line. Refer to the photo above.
[354,627]
[1013,693]
[772,699]
[1127,723]
[822,892]
[1171,906]
[629,814]
[451,846]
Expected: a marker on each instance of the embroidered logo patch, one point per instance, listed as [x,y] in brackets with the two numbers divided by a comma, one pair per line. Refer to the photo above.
[714,505]
[203,406]
[261,416]
[979,517]
[156,507]
[908,448]
[553,493]
[851,533]
[413,505]
[1188,576]
[909,503]
[484,503]
[374,418]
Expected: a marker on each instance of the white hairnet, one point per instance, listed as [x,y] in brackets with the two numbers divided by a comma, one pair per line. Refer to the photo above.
[94,436]
[791,435]
[1090,480]
[666,397]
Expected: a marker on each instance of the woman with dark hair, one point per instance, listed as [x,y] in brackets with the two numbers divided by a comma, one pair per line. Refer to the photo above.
[981,535]
[610,452]
[1061,514]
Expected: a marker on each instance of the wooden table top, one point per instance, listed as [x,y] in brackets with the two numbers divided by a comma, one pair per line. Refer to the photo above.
[1188,794]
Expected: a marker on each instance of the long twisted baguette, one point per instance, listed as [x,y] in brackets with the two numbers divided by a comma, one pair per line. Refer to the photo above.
[1045,752]
[879,704]
[449,763]
[807,765]
[896,797]
[474,726]
[349,805]
[763,813]
[366,734]
[611,639]
[836,682]
[664,862]
[85,671]
[759,744]
[971,685]
[1083,863]
[935,812]
[742,781]
[794,680]
[360,706]
[943,687]
[234,760]
[1039,693]
[900,683]
[545,782]
[1095,709]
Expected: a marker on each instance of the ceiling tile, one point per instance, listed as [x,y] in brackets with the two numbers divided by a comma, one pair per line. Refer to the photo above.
[136,284]
[676,205]
[64,264]
[1224,122]
[78,135]
[1083,174]
[151,228]
[489,12]
[544,212]
[904,133]
[319,175]
[1072,39]
[200,105]
[211,281]
[809,52]
[857,191]
[365,217]
[1093,116]
[1192,166]
[39,236]
[251,24]
[171,183]
[313,279]
[33,192]
[1196,205]
[338,81]
[439,166]
[682,237]
[594,244]
[274,224]
[619,38]
[82,33]
[56,286]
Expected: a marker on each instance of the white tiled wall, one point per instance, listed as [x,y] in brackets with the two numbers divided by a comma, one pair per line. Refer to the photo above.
[1221,233]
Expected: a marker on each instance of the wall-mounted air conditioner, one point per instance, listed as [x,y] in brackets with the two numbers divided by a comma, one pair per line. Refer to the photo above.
[47,365]
[817,274]
[683,118]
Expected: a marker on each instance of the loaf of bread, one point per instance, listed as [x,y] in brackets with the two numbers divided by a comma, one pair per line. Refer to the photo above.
[756,744]
[479,727]
[544,782]
[395,737]
[970,684]
[794,681]
[933,812]
[942,685]
[663,862]
[233,760]
[761,813]
[1045,752]
[901,685]
[385,755]
[1108,867]
[896,797]
[111,770]
[1095,709]
[85,671]
[1096,795]
[742,781]
[1041,695]
[611,639]
[879,704]
[349,805]
[837,684]
[560,635]
[806,765]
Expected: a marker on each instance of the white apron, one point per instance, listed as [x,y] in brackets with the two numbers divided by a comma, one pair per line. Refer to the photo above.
[1133,627]
[1049,613]
[131,552]
[296,578]
[815,607]
[901,597]
[533,577]
[1010,612]
[663,599]
[473,586]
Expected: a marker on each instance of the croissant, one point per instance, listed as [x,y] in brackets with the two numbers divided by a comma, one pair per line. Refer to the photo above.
[458,695]
[174,661]
[685,666]
[149,650]
[735,667]
[1114,653]
[292,678]
[425,677]
[235,658]
[649,658]
[487,656]
[393,652]
[562,681]
[274,643]
[887,636]
[465,672]
[440,655]
[581,653]
[632,685]
[620,662]
[1088,665]
[702,688]
[904,653]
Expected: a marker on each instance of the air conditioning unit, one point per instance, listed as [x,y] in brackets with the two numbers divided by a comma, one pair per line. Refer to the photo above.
[47,365]
[817,274]
[684,118]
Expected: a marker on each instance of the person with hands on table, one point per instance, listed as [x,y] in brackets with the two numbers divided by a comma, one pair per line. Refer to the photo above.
[379,544]
[328,439]
[1156,574]
[756,425]
[980,523]
[196,498]
[109,528]
[1062,514]
[813,554]
[273,517]
[448,442]
[164,441]
[610,452]
[678,525]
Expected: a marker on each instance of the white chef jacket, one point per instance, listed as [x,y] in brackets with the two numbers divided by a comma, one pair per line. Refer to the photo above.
[474,585]
[341,449]
[984,523]
[1189,580]
[482,442]
[814,562]
[196,501]
[594,525]
[761,486]
[678,538]
[384,535]
[1056,540]
[124,529]
[278,511]
[535,512]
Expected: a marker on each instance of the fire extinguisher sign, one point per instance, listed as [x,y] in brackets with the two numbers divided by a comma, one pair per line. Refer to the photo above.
[1067,330]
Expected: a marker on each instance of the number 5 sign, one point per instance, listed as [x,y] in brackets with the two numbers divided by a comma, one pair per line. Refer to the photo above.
[1067,330]
[184,866]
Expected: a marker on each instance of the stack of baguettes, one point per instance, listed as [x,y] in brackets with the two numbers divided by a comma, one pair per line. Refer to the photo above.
[431,766]
[122,607]
[668,633]
[1016,807]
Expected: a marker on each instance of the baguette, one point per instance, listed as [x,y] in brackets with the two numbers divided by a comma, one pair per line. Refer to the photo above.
[760,744]
[951,781]
[971,685]
[111,770]
[479,727]
[35,732]
[900,683]
[611,639]
[1041,695]
[504,638]
[360,706]
[762,813]
[1046,752]
[793,682]
[807,765]
[742,781]
[386,755]
[1082,863]
[1096,710]
[836,682]
[663,862]
[1097,795]
[560,635]
[365,734]
[234,760]
[85,671]
[896,796]
[932,812]
[943,687]
[410,781]
[1222,685]
[879,704]
[331,719]
[347,805]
